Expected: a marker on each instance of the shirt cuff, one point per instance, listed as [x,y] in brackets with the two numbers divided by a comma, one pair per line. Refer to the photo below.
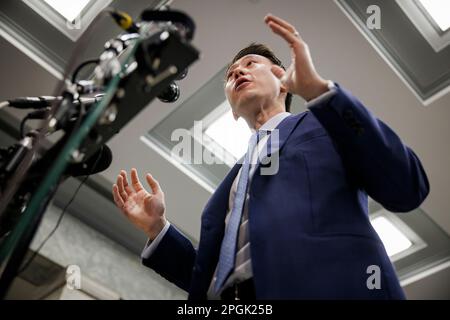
[324,96]
[151,246]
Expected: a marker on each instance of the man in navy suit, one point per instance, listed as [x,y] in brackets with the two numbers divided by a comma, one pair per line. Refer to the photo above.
[302,232]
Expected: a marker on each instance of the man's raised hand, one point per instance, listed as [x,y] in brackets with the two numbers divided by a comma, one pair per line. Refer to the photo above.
[146,210]
[301,77]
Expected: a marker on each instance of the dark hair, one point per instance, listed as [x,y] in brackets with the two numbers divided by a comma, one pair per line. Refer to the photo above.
[265,51]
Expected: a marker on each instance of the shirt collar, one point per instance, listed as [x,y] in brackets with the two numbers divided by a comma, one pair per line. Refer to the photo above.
[273,122]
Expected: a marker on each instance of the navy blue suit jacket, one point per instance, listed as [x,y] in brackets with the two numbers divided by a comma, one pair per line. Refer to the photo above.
[310,234]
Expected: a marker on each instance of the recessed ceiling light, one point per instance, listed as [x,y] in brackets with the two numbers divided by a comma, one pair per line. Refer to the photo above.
[393,239]
[232,135]
[439,10]
[70,10]
[71,18]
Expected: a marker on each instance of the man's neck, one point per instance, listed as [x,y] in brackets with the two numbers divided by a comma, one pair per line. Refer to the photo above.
[264,115]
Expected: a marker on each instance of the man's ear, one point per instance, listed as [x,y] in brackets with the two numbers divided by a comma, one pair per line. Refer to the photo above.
[235,116]
[279,73]
[283,88]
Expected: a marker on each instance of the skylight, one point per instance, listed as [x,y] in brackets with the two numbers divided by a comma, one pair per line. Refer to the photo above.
[439,10]
[71,18]
[393,239]
[232,135]
[68,9]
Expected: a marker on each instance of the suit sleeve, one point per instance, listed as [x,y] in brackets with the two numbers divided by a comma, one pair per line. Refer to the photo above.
[173,258]
[373,155]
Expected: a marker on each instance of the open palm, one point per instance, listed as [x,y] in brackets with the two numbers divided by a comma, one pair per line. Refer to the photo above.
[144,209]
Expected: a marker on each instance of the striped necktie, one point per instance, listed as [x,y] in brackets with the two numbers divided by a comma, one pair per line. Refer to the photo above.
[228,248]
[243,242]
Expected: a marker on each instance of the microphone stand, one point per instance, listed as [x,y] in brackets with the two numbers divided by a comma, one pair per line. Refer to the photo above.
[160,56]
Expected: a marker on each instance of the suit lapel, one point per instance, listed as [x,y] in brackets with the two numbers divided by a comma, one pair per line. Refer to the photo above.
[216,207]
[219,200]
[278,138]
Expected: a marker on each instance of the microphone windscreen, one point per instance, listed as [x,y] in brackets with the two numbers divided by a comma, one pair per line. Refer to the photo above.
[170,94]
[96,163]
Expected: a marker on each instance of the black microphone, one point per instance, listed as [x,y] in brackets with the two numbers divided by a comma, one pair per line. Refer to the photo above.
[98,162]
[170,94]
[32,102]
[46,101]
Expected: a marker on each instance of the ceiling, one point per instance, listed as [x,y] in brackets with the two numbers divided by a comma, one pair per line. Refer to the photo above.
[340,52]
[425,70]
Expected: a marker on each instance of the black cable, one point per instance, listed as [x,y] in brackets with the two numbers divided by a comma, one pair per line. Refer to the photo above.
[79,48]
[76,126]
[62,214]
[37,114]
[22,126]
[81,66]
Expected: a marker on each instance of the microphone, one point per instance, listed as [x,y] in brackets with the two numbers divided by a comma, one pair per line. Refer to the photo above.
[124,21]
[170,94]
[46,101]
[32,102]
[98,162]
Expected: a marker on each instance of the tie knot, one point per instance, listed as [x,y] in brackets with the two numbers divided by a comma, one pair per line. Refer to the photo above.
[254,140]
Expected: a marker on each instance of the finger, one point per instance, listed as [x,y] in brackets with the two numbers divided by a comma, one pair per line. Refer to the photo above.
[119,184]
[284,33]
[135,180]
[117,198]
[289,72]
[152,183]
[122,192]
[278,71]
[126,186]
[270,17]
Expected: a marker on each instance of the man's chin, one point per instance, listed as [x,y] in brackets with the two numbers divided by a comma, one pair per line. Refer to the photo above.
[245,97]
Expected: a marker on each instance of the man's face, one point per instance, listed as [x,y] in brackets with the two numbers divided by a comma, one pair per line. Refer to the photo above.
[250,83]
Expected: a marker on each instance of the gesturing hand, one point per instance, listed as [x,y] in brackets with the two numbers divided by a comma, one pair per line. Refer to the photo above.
[301,77]
[144,209]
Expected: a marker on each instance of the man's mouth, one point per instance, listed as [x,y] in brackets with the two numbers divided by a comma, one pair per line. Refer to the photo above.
[241,83]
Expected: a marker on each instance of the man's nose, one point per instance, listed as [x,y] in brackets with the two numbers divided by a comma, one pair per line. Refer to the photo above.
[239,72]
